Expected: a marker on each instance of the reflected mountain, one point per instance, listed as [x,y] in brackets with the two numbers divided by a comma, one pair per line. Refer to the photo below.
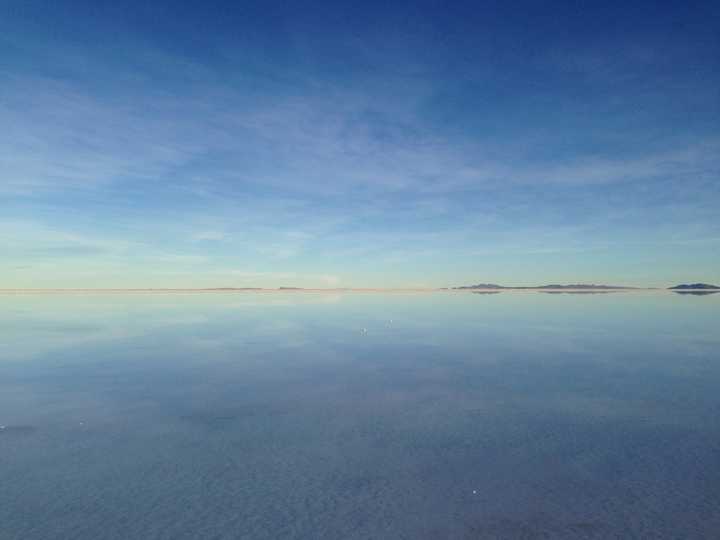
[695,286]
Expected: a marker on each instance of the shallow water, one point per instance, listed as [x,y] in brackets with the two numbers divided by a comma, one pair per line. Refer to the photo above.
[304,415]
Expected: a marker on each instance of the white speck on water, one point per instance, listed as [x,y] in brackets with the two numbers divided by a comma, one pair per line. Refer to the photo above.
[474,492]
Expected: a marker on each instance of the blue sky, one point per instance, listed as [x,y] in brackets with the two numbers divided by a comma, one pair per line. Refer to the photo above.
[358,143]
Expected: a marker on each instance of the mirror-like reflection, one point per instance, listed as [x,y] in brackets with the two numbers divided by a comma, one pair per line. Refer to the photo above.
[305,415]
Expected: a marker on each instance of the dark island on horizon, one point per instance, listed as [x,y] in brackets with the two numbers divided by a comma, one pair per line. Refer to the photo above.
[695,287]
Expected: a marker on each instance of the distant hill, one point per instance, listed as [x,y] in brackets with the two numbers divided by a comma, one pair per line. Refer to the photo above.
[575,286]
[694,286]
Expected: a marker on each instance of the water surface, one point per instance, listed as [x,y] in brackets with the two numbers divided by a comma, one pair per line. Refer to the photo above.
[303,415]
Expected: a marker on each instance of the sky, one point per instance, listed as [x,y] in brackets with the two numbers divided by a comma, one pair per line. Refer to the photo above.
[358,144]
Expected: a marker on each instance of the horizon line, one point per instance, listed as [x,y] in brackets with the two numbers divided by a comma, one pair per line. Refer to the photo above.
[330,289]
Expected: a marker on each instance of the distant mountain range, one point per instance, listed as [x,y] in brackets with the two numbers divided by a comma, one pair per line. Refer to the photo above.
[575,286]
[694,287]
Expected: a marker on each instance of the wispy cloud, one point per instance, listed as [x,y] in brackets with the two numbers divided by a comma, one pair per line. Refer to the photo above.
[203,236]
[169,164]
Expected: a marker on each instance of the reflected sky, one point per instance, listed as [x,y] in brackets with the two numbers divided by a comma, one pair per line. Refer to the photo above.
[308,415]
